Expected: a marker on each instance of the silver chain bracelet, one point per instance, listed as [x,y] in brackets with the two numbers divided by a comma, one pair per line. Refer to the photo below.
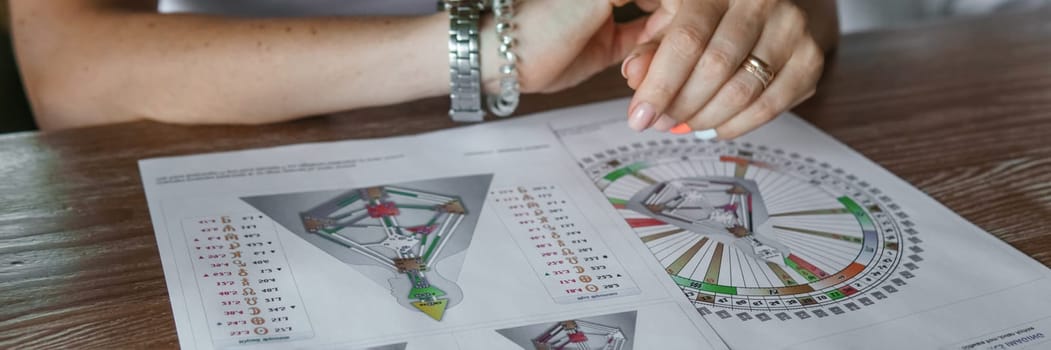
[506,101]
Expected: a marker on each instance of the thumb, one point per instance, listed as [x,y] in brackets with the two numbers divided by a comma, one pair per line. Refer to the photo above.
[637,65]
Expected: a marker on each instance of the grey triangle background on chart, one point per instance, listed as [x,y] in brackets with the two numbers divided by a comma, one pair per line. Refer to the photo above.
[285,209]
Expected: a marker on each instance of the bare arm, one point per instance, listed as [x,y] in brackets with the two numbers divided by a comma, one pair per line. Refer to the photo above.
[102,61]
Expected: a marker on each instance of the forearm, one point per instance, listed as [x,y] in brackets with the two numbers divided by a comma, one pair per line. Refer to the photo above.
[823,22]
[111,65]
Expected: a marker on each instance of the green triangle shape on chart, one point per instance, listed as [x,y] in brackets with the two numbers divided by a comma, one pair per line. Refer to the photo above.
[434,309]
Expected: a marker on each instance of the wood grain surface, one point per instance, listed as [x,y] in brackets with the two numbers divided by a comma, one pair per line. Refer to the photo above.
[960,109]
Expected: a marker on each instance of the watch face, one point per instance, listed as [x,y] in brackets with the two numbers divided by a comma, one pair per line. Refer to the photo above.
[739,227]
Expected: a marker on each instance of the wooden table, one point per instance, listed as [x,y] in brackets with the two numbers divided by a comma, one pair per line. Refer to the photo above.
[960,109]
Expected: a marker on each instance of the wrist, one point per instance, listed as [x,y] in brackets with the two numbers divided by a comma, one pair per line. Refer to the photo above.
[435,63]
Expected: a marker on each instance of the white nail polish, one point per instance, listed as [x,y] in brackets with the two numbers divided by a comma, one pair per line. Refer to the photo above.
[706,134]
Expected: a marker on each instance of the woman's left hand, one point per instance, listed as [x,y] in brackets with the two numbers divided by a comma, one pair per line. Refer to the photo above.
[691,68]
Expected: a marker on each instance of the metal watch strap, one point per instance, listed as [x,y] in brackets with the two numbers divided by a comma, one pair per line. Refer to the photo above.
[465,76]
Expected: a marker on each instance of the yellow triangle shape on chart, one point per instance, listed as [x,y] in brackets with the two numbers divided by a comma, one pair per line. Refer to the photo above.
[434,309]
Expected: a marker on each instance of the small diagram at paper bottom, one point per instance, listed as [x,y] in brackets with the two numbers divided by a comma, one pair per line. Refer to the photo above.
[606,332]
[397,346]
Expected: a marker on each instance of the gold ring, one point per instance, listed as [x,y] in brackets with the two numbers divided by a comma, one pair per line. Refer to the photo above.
[759,69]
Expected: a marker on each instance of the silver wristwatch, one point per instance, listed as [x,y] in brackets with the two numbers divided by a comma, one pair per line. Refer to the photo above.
[465,74]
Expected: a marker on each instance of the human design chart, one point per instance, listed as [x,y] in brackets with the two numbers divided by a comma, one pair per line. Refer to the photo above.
[753,232]
[406,230]
[348,219]
[568,230]
[602,332]
[788,233]
[567,254]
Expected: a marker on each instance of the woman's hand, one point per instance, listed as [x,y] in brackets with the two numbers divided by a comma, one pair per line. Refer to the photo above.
[560,43]
[689,68]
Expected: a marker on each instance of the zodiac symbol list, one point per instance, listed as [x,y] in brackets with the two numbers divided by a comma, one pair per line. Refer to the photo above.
[571,260]
[246,287]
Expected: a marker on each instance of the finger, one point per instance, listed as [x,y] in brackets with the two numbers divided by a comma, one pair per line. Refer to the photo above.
[796,83]
[677,54]
[682,128]
[659,20]
[733,41]
[637,64]
[664,123]
[780,36]
[735,95]
[648,5]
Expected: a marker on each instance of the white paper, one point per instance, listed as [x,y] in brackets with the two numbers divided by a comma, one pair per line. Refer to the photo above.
[562,229]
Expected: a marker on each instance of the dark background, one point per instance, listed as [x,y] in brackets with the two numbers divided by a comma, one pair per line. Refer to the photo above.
[14,108]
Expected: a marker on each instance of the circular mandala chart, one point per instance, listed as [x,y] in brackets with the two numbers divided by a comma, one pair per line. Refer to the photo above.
[740,227]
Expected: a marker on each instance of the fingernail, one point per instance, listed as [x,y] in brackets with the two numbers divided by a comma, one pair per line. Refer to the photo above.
[706,134]
[624,66]
[642,117]
[664,123]
[681,129]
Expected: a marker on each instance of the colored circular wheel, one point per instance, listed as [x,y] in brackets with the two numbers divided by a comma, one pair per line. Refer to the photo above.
[750,228]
